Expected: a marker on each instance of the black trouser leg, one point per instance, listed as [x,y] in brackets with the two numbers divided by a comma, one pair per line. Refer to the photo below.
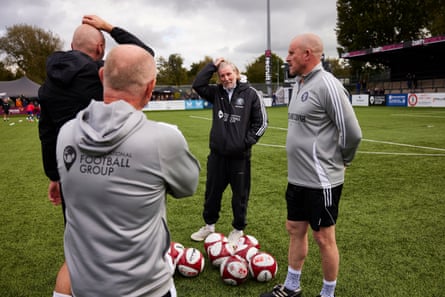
[216,183]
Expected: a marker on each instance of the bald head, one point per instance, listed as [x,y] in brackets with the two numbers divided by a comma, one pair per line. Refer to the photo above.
[304,53]
[90,41]
[129,73]
[312,42]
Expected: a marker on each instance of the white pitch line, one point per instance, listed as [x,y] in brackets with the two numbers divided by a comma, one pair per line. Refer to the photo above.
[388,142]
[401,154]
[277,128]
[407,145]
[361,152]
[369,140]
[271,145]
[418,116]
[202,118]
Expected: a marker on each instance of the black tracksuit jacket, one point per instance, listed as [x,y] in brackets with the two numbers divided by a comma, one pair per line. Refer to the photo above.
[236,125]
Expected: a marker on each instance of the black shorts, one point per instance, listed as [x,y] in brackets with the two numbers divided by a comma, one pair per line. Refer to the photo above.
[319,207]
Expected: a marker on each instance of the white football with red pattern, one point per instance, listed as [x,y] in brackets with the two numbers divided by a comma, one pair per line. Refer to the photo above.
[234,270]
[175,252]
[246,251]
[191,263]
[248,240]
[263,267]
[219,251]
[214,238]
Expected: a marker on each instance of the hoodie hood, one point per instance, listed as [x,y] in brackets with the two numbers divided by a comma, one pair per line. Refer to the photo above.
[100,128]
[63,67]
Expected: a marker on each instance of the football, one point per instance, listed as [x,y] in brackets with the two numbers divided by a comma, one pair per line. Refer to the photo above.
[175,252]
[234,270]
[213,238]
[191,263]
[246,251]
[219,251]
[263,267]
[248,240]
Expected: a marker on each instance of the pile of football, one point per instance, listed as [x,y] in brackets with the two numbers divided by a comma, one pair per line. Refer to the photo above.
[239,260]
[189,262]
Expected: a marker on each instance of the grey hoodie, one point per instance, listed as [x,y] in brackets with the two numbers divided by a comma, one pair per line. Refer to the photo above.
[116,168]
[323,131]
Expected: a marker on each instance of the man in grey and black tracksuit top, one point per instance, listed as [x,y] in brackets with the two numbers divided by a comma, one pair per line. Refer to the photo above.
[323,137]
[239,120]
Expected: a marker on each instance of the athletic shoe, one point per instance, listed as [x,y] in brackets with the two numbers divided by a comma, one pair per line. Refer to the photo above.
[321,296]
[235,235]
[281,291]
[201,234]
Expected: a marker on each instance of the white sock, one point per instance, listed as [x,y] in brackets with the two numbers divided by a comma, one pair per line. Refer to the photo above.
[55,294]
[211,227]
[328,289]
[292,281]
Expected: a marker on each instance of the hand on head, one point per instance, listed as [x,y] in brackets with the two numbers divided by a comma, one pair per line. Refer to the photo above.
[97,23]
[218,61]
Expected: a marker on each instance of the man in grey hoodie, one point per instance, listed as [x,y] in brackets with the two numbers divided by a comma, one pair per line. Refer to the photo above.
[72,82]
[323,136]
[116,167]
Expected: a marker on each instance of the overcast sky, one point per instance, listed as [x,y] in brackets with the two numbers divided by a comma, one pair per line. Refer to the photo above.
[234,29]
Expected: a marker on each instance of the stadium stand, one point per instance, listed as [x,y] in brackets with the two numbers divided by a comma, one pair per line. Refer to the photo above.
[423,57]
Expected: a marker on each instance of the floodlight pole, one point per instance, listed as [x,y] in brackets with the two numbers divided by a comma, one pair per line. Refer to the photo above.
[268,56]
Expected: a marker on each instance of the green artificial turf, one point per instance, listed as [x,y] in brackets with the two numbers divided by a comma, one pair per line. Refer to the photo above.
[390,230]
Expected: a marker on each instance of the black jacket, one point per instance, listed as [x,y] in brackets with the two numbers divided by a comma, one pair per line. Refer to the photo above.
[236,125]
[72,81]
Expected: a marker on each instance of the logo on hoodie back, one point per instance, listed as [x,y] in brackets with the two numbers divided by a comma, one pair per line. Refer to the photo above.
[69,157]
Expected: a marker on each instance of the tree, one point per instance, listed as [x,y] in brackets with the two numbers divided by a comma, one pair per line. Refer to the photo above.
[196,67]
[339,67]
[255,70]
[171,71]
[436,20]
[26,48]
[366,24]
[5,73]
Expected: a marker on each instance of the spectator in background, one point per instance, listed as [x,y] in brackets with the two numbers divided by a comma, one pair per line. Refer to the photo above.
[364,86]
[358,87]
[72,82]
[323,136]
[37,111]
[6,105]
[30,111]
[239,120]
[409,80]
[119,210]
[19,103]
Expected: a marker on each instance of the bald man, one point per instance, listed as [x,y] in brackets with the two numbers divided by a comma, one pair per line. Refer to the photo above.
[322,139]
[116,168]
[72,82]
